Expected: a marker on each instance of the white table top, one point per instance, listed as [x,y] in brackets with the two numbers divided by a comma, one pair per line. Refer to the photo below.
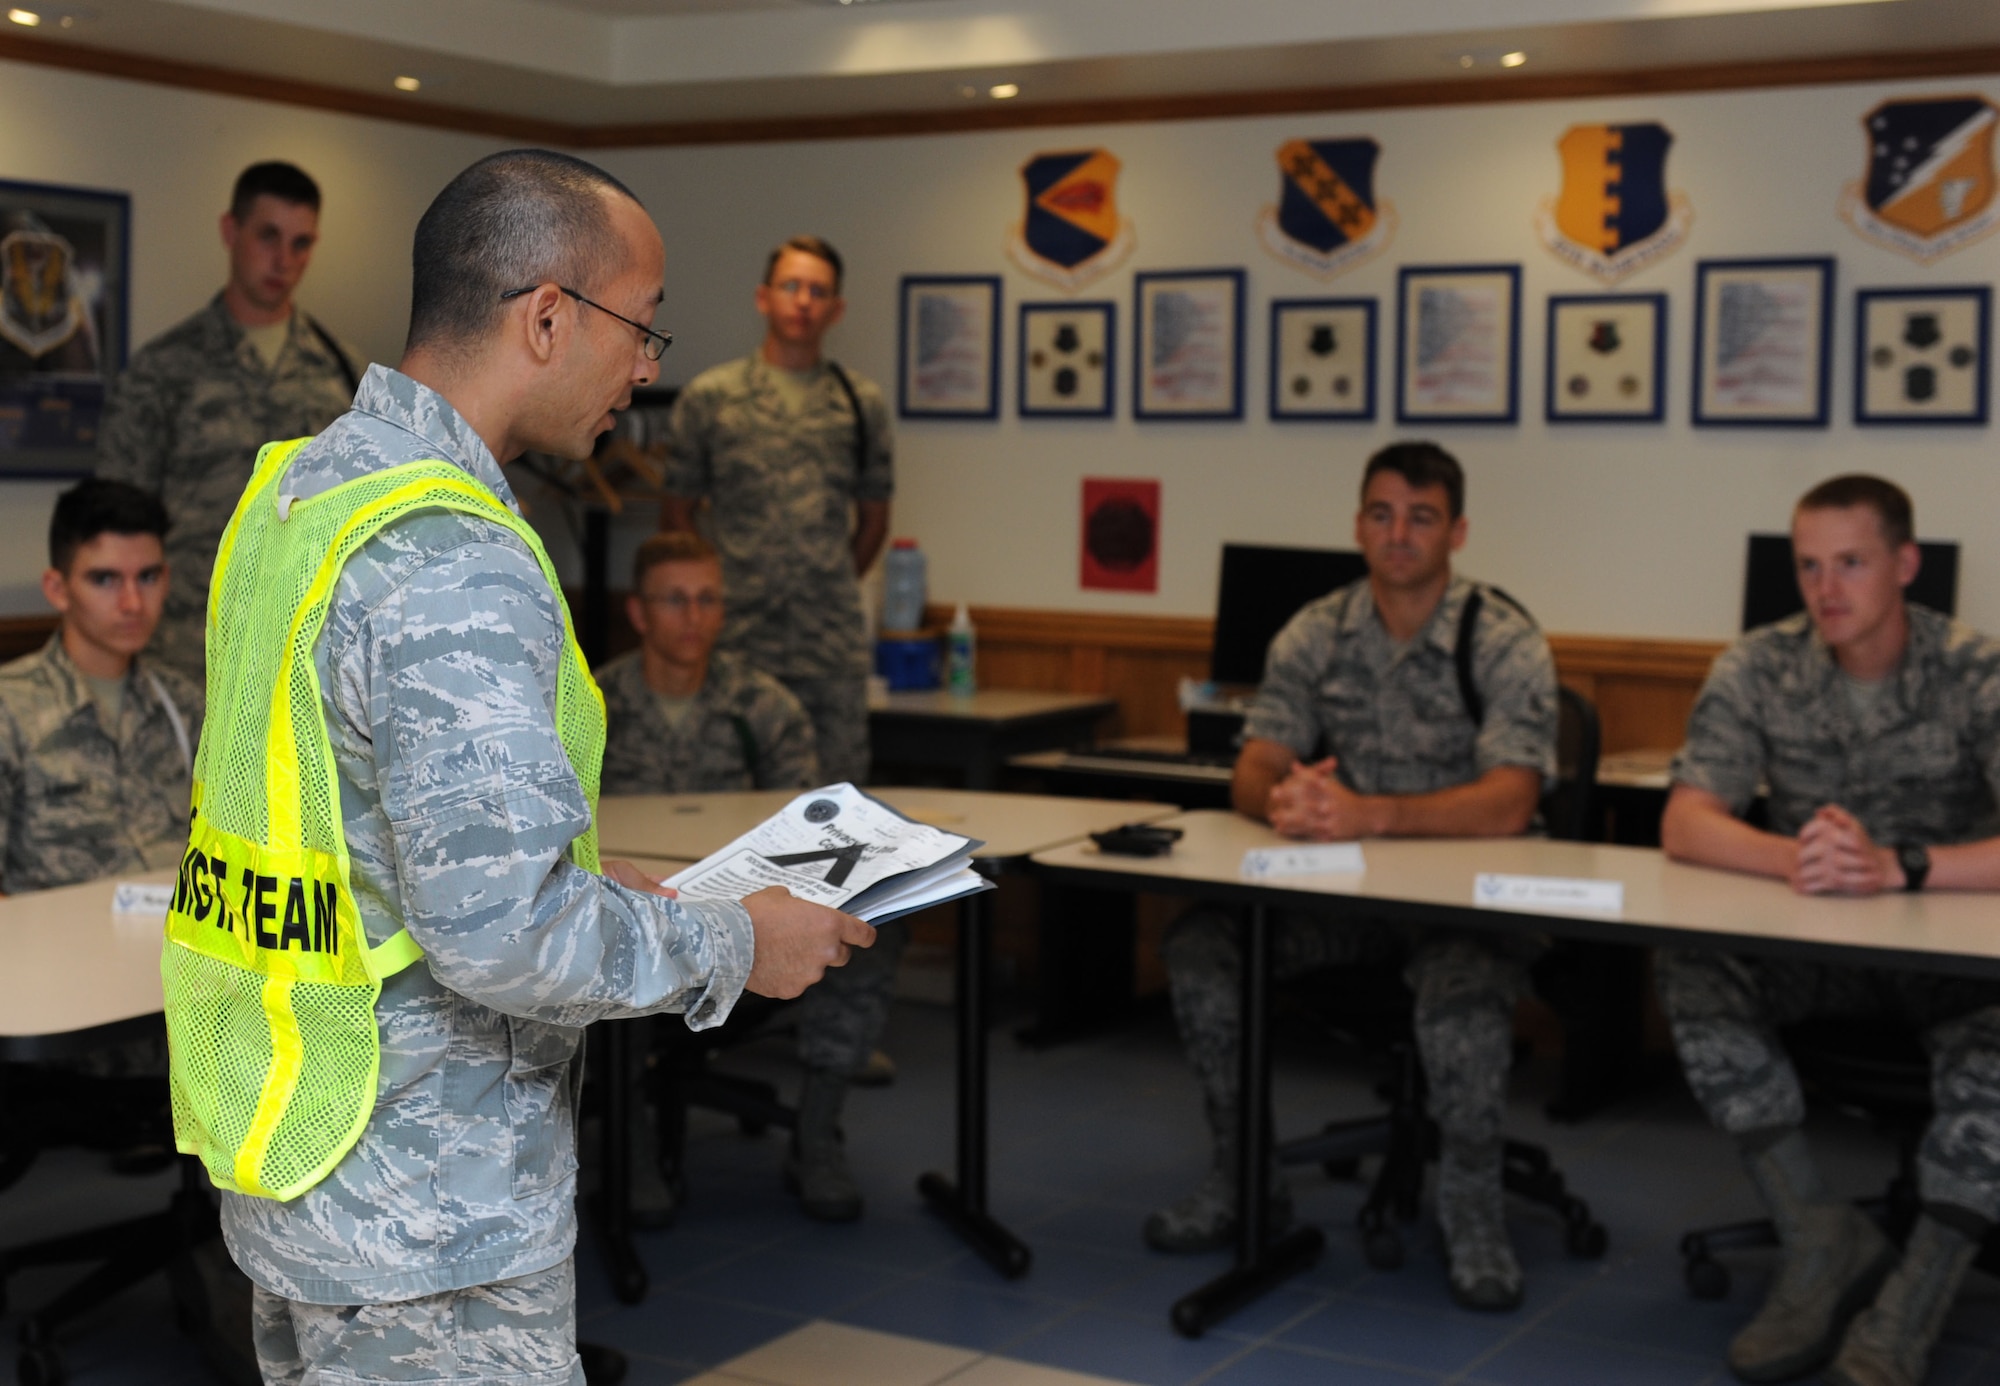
[1664,900]
[72,966]
[687,827]
[989,704]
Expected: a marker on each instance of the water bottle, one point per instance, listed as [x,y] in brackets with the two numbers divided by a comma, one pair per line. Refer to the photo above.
[959,654]
[903,581]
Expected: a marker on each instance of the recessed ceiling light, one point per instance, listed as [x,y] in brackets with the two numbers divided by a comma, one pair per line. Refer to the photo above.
[1466,60]
[27,19]
[1004,91]
[408,84]
[1514,59]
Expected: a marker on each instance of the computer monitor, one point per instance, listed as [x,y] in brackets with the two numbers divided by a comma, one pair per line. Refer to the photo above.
[1771,588]
[1261,589]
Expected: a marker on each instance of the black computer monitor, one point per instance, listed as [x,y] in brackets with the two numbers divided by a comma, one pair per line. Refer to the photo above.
[1771,588]
[1261,589]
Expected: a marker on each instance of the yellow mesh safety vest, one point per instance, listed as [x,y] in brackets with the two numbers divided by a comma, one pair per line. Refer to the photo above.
[270,981]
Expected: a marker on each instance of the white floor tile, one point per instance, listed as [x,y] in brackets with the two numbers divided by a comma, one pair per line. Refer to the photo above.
[1000,1371]
[831,1354]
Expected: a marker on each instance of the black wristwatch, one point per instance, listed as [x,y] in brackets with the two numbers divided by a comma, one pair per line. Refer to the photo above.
[1915,859]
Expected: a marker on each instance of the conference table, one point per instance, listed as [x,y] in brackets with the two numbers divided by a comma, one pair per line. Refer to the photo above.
[81,975]
[974,734]
[1506,884]
[661,831]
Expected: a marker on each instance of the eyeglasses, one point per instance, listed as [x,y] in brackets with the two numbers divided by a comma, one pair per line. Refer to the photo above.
[655,343]
[679,602]
[796,288]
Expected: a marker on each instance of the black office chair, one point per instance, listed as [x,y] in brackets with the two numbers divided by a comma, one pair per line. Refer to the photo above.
[1368,1008]
[683,1077]
[1878,1069]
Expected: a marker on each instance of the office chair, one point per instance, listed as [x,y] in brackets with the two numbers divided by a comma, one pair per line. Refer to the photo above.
[1877,1068]
[683,1078]
[1369,1008]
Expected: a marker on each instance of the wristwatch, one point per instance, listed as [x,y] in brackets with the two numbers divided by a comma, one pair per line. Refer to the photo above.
[1915,859]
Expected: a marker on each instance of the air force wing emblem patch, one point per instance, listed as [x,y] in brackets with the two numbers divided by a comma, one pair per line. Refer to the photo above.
[1071,233]
[1930,186]
[1614,215]
[1327,218]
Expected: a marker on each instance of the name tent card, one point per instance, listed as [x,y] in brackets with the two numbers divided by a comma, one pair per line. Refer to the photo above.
[137,900]
[1306,859]
[1548,894]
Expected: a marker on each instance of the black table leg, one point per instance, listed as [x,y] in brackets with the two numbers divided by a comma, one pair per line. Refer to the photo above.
[963,1205]
[614,1197]
[1261,1263]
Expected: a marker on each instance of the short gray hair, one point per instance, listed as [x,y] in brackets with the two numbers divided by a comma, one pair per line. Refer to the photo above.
[512,220]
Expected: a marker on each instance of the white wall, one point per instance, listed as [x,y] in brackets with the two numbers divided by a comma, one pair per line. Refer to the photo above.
[178,153]
[1620,530]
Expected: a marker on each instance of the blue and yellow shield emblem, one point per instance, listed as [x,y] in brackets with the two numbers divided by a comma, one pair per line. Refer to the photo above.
[1327,218]
[1614,215]
[1930,186]
[1071,233]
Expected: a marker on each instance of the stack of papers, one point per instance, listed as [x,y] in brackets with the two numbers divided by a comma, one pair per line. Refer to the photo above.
[841,847]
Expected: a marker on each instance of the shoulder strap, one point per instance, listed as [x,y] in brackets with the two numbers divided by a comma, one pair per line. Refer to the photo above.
[860,419]
[1461,656]
[346,366]
[746,739]
[173,716]
[1461,653]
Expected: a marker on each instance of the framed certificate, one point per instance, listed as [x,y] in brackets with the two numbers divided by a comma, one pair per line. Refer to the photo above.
[1761,335]
[1189,362]
[1067,360]
[1607,358]
[1323,358]
[1921,355]
[948,349]
[1458,340]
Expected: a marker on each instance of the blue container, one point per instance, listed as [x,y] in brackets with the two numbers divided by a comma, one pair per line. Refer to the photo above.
[908,663]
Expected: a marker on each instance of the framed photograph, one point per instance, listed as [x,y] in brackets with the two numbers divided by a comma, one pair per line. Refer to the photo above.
[1607,358]
[1458,344]
[1323,358]
[64,303]
[1761,334]
[1920,355]
[1189,362]
[1067,360]
[948,351]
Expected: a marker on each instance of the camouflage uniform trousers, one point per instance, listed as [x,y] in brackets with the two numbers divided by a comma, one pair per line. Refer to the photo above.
[1725,1012]
[841,1016]
[519,1332]
[839,711]
[1465,985]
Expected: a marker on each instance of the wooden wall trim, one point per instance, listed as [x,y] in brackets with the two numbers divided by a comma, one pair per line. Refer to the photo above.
[1618,656]
[1013,625]
[21,635]
[1448,91]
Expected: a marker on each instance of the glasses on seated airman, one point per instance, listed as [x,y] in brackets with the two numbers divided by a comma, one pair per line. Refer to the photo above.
[654,344]
[794,288]
[679,602]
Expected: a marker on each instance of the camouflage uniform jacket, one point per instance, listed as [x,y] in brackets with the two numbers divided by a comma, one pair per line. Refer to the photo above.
[77,801]
[184,422]
[745,731]
[1924,767]
[780,488]
[437,666]
[1335,685]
